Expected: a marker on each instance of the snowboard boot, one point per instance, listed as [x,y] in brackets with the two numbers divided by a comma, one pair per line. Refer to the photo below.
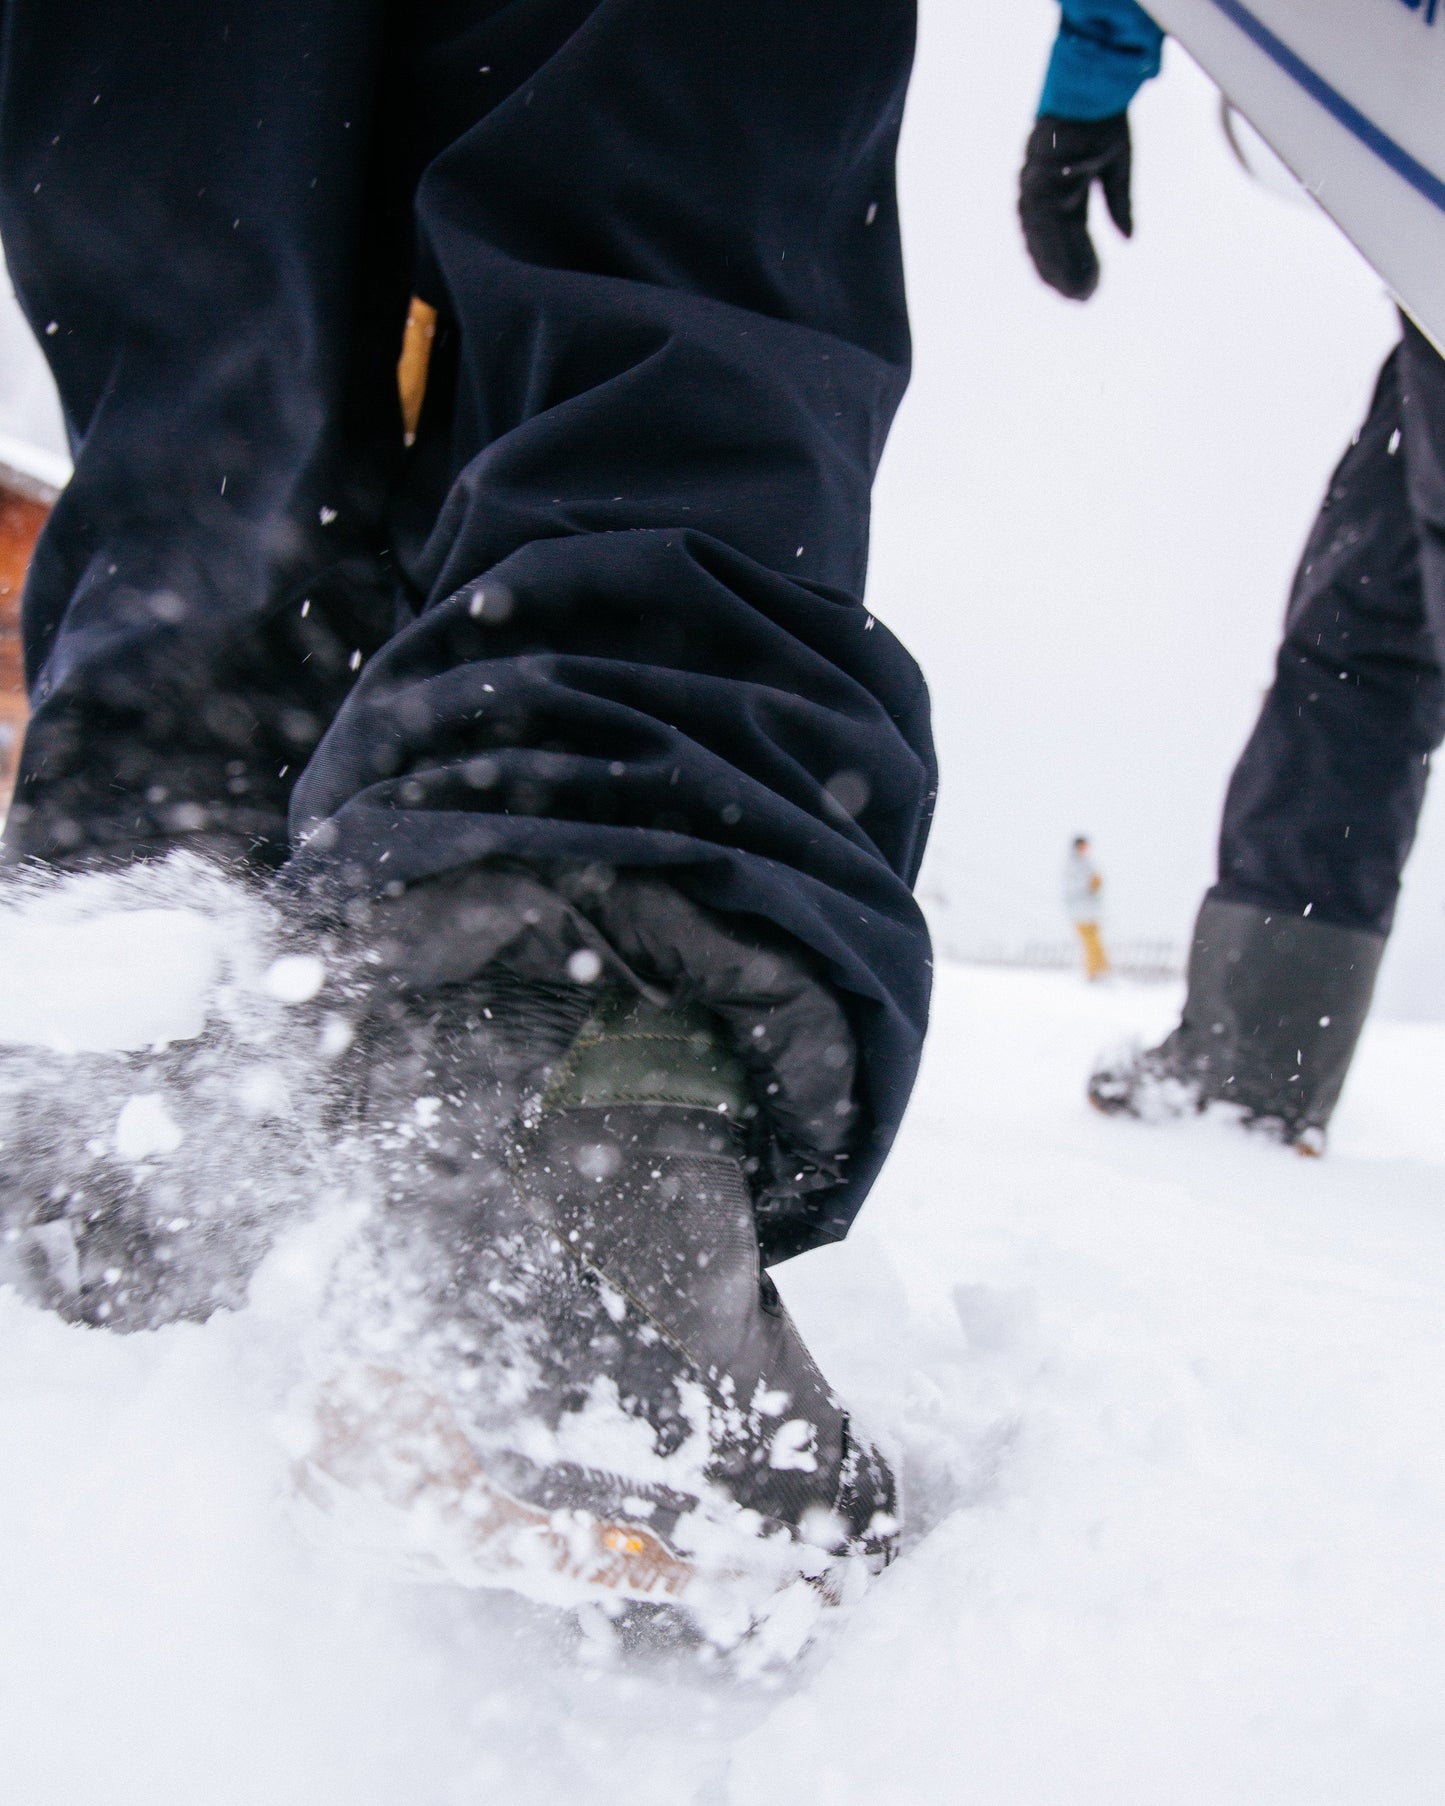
[144,1185]
[574,1378]
[1274,1007]
[140,1190]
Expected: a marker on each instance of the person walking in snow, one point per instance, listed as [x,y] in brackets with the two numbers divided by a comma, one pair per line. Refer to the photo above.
[1321,810]
[474,412]
[1084,900]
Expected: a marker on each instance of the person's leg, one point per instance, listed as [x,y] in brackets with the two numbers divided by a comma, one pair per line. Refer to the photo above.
[670,339]
[663,247]
[664,255]
[1422,386]
[188,219]
[1321,810]
[1096,961]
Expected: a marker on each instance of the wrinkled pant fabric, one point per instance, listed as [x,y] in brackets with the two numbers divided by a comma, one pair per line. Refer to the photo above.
[1322,808]
[606,611]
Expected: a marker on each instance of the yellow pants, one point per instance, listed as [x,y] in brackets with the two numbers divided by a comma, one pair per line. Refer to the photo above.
[1096,961]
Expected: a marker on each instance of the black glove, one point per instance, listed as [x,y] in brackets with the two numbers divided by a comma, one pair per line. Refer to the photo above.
[1065,157]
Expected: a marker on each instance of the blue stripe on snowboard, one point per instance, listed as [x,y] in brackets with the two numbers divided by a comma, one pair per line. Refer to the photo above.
[1421,179]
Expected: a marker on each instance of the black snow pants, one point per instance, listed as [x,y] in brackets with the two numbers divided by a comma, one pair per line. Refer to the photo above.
[1322,808]
[606,607]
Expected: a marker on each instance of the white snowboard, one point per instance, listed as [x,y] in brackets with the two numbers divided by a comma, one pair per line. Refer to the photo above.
[1351,94]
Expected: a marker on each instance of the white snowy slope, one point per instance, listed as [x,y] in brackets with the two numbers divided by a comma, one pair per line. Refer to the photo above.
[1167,1403]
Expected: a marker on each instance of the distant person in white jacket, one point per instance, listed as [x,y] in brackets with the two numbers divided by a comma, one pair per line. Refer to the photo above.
[1083,898]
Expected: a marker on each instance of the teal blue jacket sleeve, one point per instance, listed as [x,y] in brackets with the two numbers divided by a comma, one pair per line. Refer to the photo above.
[1104,51]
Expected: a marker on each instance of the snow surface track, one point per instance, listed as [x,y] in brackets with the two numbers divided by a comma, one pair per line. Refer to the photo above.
[1167,1402]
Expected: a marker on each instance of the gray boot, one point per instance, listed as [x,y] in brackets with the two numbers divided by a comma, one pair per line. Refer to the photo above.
[577,1370]
[1274,1007]
[636,1162]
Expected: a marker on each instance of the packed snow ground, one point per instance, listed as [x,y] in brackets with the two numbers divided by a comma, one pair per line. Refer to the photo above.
[1167,1402]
